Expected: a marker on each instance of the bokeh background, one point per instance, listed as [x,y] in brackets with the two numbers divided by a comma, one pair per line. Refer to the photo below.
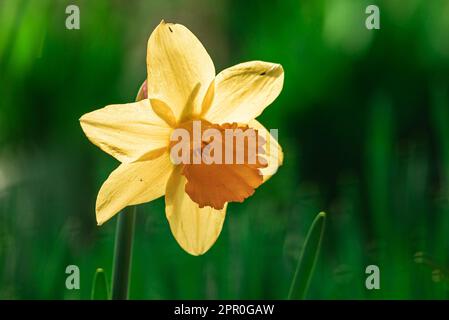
[363,120]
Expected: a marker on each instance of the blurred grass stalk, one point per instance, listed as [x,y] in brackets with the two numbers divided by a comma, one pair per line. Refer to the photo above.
[100,288]
[440,117]
[307,260]
[123,253]
[380,137]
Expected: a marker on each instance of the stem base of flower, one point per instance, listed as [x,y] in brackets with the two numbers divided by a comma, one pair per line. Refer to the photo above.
[123,253]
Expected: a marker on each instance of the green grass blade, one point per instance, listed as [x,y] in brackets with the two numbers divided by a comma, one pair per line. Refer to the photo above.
[100,288]
[308,258]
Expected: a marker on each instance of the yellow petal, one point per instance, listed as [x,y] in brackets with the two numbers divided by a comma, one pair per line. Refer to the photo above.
[129,132]
[273,151]
[179,68]
[243,91]
[196,229]
[131,184]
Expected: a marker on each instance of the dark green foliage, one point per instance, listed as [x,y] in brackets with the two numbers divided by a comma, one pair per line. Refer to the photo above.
[363,120]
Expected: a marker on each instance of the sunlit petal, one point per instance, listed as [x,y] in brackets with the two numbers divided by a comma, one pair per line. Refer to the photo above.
[243,91]
[129,132]
[179,69]
[196,229]
[273,151]
[131,184]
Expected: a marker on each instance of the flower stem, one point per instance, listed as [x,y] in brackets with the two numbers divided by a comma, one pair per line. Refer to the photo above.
[123,253]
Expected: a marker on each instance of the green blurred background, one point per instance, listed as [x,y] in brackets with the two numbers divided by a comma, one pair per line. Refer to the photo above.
[363,120]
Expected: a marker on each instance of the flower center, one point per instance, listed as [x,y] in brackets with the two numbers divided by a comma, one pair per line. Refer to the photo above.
[221,162]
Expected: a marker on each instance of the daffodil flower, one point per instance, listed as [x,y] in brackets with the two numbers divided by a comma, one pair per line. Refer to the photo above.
[182,87]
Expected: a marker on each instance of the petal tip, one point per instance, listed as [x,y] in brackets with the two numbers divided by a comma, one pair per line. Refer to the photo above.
[83,123]
[196,252]
[165,23]
[82,118]
[275,70]
[99,221]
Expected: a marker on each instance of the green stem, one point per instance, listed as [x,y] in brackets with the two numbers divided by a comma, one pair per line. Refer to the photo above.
[123,253]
